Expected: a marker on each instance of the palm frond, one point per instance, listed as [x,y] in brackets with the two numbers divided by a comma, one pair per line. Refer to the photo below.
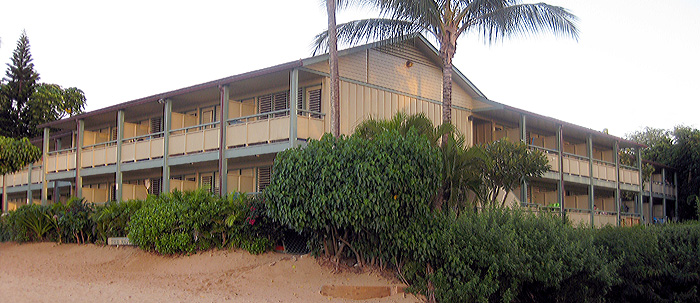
[367,30]
[523,19]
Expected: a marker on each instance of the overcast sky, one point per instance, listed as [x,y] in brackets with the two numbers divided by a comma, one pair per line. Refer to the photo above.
[636,63]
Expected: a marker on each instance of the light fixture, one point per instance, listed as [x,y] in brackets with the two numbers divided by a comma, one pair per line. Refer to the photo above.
[409,63]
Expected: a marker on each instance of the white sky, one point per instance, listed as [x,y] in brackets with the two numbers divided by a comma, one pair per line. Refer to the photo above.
[637,63]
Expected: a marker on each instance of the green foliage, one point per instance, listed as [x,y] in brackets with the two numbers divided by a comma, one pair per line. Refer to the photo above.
[72,221]
[15,154]
[679,149]
[506,165]
[251,228]
[657,263]
[25,103]
[185,222]
[112,218]
[28,223]
[505,255]
[357,192]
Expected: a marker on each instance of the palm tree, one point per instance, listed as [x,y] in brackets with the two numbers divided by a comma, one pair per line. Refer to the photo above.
[333,64]
[447,20]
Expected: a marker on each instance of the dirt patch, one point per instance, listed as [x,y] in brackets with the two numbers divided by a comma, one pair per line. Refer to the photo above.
[48,272]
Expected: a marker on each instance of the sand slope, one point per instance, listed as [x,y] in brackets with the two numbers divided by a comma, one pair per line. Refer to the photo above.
[48,272]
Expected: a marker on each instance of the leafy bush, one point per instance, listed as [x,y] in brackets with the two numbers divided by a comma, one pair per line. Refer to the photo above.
[251,228]
[357,192]
[112,219]
[657,263]
[72,223]
[28,223]
[184,222]
[506,255]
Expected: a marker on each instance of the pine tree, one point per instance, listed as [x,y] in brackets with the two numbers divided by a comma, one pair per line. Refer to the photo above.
[21,81]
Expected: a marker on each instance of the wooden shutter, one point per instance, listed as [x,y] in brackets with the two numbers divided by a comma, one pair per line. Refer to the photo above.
[264,177]
[300,99]
[264,105]
[155,187]
[281,103]
[156,125]
[315,102]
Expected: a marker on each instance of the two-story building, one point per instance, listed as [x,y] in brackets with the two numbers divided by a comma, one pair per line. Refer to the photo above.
[224,135]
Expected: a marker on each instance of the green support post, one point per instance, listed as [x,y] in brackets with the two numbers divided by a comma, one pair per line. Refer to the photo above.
[675,193]
[293,104]
[560,151]
[591,187]
[167,117]
[44,158]
[640,203]
[30,199]
[120,136]
[663,194]
[223,163]
[78,158]
[618,199]
[523,138]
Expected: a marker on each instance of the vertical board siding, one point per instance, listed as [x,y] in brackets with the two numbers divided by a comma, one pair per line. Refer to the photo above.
[359,103]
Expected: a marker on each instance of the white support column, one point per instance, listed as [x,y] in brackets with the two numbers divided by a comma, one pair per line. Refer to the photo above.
[293,103]
[223,124]
[44,159]
[118,175]
[167,117]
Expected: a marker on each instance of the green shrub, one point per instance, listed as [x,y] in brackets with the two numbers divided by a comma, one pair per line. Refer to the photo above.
[250,227]
[185,222]
[357,192]
[112,219]
[29,223]
[71,221]
[657,263]
[506,255]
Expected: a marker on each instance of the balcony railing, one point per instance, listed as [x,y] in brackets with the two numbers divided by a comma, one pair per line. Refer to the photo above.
[142,147]
[61,160]
[194,139]
[99,154]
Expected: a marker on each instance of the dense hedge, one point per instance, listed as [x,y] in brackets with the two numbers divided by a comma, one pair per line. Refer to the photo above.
[171,223]
[185,222]
[356,193]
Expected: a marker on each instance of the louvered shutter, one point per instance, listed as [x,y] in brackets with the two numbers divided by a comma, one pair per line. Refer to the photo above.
[264,105]
[300,100]
[281,103]
[207,182]
[113,134]
[156,125]
[155,187]
[315,102]
[264,177]
[113,192]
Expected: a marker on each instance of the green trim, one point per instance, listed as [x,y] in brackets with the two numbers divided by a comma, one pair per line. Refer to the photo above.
[44,159]
[118,174]
[591,188]
[167,121]
[223,163]
[293,104]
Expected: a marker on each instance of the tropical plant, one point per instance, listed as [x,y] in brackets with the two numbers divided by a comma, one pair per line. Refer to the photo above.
[333,67]
[507,164]
[447,20]
[112,219]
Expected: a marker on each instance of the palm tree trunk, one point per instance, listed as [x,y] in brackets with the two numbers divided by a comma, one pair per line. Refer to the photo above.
[333,63]
[448,45]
